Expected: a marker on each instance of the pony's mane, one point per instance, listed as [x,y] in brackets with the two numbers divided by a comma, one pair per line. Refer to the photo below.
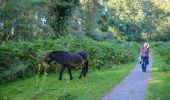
[59,52]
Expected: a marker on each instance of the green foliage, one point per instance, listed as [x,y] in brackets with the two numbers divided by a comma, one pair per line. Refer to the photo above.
[17,60]
[125,19]
[103,22]
[162,48]
[23,18]
[30,54]
[62,11]
[127,10]
[159,86]
[138,20]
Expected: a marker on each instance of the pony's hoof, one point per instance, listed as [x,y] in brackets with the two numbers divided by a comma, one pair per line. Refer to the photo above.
[79,76]
[84,75]
[60,79]
[71,78]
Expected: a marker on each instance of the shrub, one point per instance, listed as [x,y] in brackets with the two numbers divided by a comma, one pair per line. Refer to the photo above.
[18,59]
[162,48]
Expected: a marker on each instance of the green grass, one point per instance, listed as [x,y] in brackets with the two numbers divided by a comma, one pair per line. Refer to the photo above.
[48,87]
[159,86]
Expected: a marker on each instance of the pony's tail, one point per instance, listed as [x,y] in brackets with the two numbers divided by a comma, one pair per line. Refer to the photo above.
[87,66]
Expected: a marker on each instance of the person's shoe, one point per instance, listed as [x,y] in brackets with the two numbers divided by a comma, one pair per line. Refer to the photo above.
[140,62]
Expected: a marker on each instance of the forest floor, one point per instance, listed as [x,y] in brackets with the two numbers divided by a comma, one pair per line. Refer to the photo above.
[134,86]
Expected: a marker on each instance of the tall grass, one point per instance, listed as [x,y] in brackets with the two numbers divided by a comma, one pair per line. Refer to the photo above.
[163,49]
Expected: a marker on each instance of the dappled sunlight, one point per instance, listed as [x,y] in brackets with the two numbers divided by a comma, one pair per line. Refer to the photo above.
[162,4]
[155,81]
[155,68]
[168,73]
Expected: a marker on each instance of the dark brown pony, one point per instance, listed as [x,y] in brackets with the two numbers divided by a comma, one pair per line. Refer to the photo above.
[68,60]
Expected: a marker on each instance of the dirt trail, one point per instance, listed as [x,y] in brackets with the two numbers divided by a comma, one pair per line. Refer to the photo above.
[134,86]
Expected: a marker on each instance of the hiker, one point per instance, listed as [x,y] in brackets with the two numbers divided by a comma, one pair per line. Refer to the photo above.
[145,52]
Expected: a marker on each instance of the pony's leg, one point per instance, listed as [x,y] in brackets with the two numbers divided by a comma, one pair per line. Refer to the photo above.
[82,72]
[87,66]
[61,72]
[69,71]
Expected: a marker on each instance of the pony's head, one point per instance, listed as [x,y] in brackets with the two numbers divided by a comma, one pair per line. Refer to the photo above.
[48,58]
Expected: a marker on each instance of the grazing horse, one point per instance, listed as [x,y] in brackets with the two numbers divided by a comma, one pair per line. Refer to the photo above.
[68,60]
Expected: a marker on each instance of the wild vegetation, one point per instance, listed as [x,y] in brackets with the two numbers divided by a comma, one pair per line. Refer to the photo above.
[22,58]
[162,49]
[111,31]
[159,86]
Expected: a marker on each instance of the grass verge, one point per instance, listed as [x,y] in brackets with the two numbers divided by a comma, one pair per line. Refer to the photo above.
[47,87]
[159,86]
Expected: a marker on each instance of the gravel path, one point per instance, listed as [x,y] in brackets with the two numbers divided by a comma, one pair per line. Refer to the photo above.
[133,87]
